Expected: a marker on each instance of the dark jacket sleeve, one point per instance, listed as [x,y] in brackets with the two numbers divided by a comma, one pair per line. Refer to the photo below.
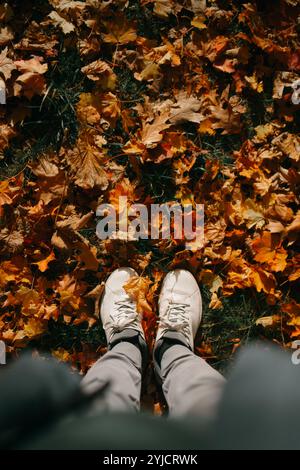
[31,392]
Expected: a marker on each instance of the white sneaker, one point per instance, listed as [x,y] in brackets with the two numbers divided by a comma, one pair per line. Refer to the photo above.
[180,306]
[118,311]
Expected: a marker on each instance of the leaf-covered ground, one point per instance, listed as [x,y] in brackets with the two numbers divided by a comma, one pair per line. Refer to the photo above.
[170,100]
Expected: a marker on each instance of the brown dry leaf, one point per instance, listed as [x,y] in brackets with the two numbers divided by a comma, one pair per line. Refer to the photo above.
[121,31]
[96,69]
[12,240]
[87,165]
[72,220]
[29,84]
[45,168]
[110,107]
[87,254]
[163,8]
[186,108]
[66,26]
[30,300]
[68,239]
[6,64]
[292,309]
[88,108]
[6,35]
[253,214]
[9,190]
[33,65]
[266,322]
[295,225]
[32,81]
[66,5]
[152,133]
[137,288]
[6,133]
[96,295]
[51,189]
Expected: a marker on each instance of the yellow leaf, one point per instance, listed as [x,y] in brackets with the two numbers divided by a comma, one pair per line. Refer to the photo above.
[199,22]
[215,302]
[137,288]
[44,263]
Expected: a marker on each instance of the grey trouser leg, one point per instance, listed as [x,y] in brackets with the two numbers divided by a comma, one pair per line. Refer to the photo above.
[190,385]
[120,367]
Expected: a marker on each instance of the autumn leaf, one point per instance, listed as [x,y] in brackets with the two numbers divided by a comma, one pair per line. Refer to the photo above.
[31,81]
[66,26]
[120,30]
[215,303]
[137,288]
[263,280]
[96,69]
[199,22]
[86,164]
[6,35]
[6,133]
[6,64]
[162,8]
[269,251]
[12,240]
[45,168]
[43,265]
[192,102]
[186,108]
[152,133]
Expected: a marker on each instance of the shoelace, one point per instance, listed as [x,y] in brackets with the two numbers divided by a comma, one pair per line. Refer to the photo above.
[125,315]
[177,319]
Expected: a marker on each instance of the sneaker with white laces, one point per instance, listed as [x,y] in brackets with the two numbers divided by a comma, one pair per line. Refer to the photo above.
[118,311]
[180,307]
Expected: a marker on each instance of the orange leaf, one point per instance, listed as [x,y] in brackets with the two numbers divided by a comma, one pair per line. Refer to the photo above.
[137,288]
[44,263]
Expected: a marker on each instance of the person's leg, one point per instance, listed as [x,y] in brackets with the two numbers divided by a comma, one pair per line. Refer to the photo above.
[119,371]
[190,385]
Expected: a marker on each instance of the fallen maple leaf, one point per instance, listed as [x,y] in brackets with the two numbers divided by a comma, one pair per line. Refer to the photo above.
[96,69]
[269,251]
[186,108]
[66,26]
[137,288]
[86,163]
[33,65]
[6,64]
[152,133]
[120,30]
